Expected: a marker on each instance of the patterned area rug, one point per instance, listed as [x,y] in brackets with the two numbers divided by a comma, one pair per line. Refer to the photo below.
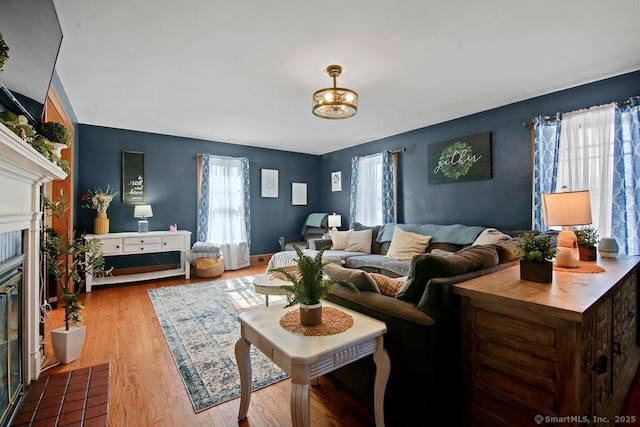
[201,326]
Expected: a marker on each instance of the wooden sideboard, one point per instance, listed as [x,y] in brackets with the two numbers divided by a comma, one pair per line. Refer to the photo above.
[122,244]
[534,352]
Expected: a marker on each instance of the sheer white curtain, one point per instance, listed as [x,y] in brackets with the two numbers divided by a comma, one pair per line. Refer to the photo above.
[585,159]
[369,191]
[224,208]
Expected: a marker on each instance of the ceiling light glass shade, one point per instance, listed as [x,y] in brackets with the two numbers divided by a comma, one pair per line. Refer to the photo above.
[335,102]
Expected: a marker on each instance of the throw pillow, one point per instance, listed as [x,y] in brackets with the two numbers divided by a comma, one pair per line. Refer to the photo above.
[405,244]
[490,236]
[387,285]
[359,241]
[339,239]
[360,278]
[506,250]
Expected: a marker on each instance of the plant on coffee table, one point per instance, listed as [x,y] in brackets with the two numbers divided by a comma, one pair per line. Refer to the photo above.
[535,254]
[309,285]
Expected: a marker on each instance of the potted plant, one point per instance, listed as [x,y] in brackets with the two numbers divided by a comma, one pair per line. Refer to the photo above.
[309,285]
[57,134]
[535,254]
[587,242]
[69,258]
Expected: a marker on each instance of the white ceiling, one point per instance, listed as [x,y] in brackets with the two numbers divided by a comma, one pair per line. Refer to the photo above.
[243,72]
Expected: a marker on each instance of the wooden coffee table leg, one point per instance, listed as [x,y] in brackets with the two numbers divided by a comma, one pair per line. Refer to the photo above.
[300,415]
[243,359]
[383,367]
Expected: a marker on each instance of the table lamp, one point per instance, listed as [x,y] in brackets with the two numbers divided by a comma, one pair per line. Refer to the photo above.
[335,221]
[143,212]
[566,209]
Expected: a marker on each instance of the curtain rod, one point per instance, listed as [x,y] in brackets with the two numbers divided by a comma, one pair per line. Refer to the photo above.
[250,160]
[550,118]
[400,150]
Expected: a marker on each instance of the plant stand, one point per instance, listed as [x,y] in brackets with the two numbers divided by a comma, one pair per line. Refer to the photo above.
[67,345]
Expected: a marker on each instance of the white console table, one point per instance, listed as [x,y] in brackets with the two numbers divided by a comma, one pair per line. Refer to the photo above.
[118,244]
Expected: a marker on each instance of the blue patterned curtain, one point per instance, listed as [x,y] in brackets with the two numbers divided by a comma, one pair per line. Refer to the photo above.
[203,203]
[388,189]
[626,178]
[545,163]
[247,205]
[353,200]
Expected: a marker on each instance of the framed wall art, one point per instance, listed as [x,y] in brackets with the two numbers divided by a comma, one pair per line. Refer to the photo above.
[460,159]
[134,186]
[336,181]
[298,193]
[269,182]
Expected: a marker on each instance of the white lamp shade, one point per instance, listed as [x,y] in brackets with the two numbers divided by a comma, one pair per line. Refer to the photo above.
[568,208]
[335,220]
[142,211]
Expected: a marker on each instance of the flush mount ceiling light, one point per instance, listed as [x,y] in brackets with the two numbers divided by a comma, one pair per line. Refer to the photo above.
[335,102]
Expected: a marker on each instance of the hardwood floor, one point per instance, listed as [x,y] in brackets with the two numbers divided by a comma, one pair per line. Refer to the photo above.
[145,386]
[147,390]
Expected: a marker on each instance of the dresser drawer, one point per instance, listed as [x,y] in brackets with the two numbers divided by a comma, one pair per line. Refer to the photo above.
[143,240]
[142,248]
[173,242]
[111,246]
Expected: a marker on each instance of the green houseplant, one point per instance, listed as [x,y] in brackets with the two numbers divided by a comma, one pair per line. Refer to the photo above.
[309,285]
[588,239]
[535,254]
[69,258]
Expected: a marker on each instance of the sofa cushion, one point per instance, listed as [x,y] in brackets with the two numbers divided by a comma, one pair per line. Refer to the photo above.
[375,246]
[339,239]
[359,241]
[360,279]
[506,251]
[379,263]
[404,244]
[428,266]
[388,286]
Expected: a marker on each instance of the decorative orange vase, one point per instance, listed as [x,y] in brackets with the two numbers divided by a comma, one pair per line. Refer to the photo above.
[101,223]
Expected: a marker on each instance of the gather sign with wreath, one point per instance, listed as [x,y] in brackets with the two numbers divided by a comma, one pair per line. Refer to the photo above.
[460,159]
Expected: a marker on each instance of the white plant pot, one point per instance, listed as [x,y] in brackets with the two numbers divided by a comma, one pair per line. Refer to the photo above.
[67,345]
[57,148]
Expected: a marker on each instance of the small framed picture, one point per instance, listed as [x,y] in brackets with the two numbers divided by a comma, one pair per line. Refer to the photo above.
[269,183]
[336,181]
[298,193]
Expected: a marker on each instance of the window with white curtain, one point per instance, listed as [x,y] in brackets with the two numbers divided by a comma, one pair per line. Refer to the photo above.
[585,159]
[226,198]
[369,190]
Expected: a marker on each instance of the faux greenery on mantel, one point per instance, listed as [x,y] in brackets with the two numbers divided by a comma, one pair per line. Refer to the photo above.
[43,140]
[4,51]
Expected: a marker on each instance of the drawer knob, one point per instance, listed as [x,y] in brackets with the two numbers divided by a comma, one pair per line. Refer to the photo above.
[117,246]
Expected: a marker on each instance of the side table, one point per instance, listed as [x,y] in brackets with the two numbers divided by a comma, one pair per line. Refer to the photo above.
[305,358]
[266,285]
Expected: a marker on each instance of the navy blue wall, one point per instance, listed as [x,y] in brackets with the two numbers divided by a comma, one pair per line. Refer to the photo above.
[171,182]
[504,201]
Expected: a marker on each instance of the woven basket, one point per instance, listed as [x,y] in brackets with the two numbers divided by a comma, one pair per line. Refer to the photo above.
[209,267]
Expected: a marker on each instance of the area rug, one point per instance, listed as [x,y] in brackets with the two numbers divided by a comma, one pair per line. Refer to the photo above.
[200,323]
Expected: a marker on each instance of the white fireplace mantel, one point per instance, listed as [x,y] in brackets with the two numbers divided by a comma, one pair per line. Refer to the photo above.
[22,172]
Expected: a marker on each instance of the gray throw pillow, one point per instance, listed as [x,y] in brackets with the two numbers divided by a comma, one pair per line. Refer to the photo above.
[360,278]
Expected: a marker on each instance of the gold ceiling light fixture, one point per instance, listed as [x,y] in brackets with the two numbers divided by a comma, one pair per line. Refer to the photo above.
[335,102]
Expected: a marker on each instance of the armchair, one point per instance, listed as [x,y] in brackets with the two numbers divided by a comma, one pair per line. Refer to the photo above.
[315,226]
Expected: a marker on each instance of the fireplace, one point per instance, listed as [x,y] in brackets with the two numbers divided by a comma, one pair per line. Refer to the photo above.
[11,332]
[23,174]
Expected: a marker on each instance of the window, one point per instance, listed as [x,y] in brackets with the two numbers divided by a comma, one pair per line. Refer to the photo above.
[373,189]
[585,160]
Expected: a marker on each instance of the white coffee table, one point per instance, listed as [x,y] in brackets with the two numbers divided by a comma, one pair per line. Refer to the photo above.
[266,284]
[305,358]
